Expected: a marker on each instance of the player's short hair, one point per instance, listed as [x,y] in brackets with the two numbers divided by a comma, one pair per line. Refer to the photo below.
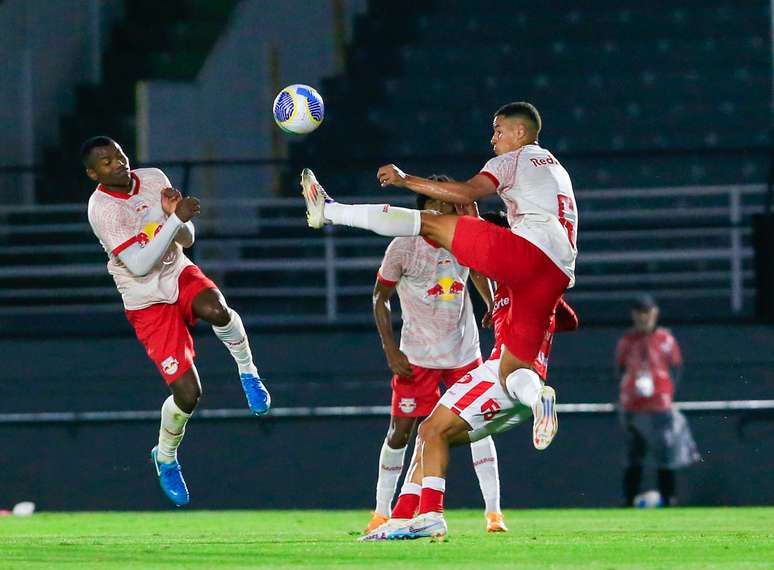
[497,218]
[422,199]
[92,143]
[523,110]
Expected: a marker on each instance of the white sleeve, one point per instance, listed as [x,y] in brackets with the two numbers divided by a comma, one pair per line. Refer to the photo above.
[140,260]
[186,235]
[501,169]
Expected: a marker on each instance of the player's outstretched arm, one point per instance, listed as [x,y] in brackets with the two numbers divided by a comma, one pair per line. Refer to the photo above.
[450,192]
[396,360]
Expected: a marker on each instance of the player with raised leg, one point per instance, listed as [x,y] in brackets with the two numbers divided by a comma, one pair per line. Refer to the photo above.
[534,259]
[438,344]
[143,224]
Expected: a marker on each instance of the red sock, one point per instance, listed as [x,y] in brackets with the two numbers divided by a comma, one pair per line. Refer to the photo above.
[431,500]
[406,506]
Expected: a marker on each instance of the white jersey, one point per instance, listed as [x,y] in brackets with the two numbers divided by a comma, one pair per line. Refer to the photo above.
[541,207]
[120,220]
[439,327]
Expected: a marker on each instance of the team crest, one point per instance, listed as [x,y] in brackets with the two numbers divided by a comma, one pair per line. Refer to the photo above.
[169,365]
[149,232]
[407,405]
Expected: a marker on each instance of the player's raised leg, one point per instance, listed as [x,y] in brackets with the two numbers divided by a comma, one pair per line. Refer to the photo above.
[175,413]
[484,456]
[209,305]
[382,219]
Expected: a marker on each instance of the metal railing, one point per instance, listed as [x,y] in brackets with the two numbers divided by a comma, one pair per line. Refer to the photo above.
[680,243]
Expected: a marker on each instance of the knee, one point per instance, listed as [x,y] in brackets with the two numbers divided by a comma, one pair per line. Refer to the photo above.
[187,396]
[397,438]
[430,431]
[218,314]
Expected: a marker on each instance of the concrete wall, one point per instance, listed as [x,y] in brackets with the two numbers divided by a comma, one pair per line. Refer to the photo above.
[226,113]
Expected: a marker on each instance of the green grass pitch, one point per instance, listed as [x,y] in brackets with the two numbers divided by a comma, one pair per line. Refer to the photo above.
[604,539]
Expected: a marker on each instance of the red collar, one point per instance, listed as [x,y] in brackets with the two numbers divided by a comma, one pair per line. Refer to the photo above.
[123,195]
[431,243]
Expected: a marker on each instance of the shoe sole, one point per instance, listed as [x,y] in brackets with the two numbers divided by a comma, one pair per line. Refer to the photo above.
[545,423]
[315,202]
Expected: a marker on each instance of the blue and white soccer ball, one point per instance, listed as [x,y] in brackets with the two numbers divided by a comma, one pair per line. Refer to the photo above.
[298,109]
[648,500]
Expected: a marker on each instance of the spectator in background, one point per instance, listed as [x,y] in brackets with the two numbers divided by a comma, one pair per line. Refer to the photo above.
[649,365]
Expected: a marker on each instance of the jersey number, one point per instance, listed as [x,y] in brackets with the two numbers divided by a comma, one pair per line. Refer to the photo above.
[490,408]
[567,216]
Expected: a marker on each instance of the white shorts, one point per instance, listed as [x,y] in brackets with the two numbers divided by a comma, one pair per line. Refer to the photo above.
[480,400]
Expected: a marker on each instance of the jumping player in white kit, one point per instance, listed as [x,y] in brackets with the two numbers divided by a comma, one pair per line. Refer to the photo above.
[143,224]
[438,345]
[534,258]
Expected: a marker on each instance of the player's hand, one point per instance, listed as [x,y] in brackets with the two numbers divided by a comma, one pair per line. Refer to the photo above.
[169,199]
[399,363]
[391,175]
[486,321]
[467,209]
[187,208]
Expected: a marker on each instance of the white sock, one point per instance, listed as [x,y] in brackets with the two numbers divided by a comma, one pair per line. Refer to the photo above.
[390,467]
[410,488]
[233,335]
[437,483]
[485,463]
[382,219]
[524,385]
[172,429]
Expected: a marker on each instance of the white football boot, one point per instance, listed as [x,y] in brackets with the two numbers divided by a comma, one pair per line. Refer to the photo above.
[315,198]
[545,423]
[381,531]
[428,525]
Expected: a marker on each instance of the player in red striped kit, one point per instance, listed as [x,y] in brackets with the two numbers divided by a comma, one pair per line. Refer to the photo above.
[534,258]
[438,344]
[564,320]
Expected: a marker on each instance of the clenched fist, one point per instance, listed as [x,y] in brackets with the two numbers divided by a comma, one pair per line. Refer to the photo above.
[391,175]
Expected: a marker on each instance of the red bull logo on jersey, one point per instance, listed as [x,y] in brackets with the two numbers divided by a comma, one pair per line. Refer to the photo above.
[149,232]
[170,365]
[407,405]
[447,289]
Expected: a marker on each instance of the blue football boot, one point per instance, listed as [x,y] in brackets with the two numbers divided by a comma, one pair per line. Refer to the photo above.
[258,397]
[171,480]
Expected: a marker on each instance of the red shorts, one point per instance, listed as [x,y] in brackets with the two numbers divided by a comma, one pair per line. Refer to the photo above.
[163,328]
[416,396]
[535,283]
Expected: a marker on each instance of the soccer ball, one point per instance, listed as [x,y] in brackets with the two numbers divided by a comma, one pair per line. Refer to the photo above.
[298,109]
[648,500]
